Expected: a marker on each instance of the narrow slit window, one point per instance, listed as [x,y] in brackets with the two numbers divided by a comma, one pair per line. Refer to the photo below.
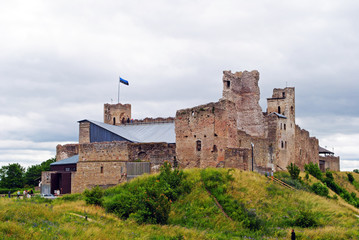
[101,169]
[279,109]
[114,121]
[198,145]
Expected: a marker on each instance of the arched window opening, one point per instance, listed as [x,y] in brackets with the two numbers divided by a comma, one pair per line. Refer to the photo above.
[282,144]
[198,145]
[283,94]
[101,169]
[114,121]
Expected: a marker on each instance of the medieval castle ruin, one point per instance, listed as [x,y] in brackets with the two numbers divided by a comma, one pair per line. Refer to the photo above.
[230,133]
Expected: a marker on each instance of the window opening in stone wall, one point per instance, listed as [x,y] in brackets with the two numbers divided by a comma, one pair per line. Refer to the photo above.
[291,109]
[101,170]
[283,93]
[198,145]
[214,148]
[228,84]
[282,144]
[279,109]
[280,126]
[67,169]
[285,126]
[285,144]
[300,152]
[114,121]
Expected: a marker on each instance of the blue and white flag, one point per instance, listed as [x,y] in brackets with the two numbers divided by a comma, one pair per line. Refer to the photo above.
[123,81]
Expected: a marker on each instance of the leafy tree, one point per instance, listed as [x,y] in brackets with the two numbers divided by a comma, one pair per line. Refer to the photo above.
[356,170]
[293,171]
[12,176]
[33,173]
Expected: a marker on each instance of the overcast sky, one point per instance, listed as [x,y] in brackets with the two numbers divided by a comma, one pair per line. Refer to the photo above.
[60,62]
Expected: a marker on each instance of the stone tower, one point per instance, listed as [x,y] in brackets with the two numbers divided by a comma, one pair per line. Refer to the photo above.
[116,114]
[242,89]
[283,102]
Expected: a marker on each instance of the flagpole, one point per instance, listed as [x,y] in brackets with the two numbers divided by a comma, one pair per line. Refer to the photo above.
[118,97]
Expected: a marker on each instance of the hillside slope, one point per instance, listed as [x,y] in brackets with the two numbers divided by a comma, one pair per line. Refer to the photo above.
[255,208]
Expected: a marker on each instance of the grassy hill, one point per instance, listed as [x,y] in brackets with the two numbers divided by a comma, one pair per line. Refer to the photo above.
[250,207]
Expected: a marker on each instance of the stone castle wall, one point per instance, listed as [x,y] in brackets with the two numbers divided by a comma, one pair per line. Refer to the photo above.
[66,151]
[306,148]
[203,133]
[331,162]
[155,153]
[104,163]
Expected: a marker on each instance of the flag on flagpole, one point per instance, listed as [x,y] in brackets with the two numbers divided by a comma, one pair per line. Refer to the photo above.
[123,81]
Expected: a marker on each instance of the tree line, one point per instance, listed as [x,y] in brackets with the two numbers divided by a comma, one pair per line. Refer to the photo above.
[14,176]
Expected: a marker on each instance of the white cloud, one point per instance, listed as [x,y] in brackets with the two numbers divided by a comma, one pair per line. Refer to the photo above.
[60,61]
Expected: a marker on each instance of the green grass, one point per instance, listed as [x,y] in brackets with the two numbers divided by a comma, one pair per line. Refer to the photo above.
[193,215]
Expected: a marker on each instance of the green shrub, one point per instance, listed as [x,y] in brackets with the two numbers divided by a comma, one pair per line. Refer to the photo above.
[147,201]
[350,178]
[314,170]
[305,219]
[293,171]
[320,189]
[356,170]
[94,196]
[329,175]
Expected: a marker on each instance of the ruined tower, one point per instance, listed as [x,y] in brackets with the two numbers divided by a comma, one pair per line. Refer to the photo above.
[242,89]
[116,114]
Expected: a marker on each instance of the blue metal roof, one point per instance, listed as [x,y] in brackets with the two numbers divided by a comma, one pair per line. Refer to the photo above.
[142,133]
[71,160]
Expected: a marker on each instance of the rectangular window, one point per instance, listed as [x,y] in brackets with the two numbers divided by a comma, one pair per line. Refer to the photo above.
[101,169]
[198,145]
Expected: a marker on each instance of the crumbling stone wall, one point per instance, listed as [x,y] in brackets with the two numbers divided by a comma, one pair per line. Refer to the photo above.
[237,158]
[306,148]
[153,120]
[242,89]
[116,114]
[204,132]
[155,153]
[66,151]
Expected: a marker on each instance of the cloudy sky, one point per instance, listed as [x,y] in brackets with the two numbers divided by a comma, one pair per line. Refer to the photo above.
[60,62]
